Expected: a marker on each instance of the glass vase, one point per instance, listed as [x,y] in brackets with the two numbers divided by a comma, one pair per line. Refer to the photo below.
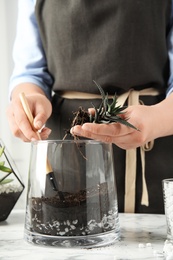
[72,197]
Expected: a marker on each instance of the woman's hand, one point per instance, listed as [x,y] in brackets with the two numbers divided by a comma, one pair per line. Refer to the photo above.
[152,121]
[41,109]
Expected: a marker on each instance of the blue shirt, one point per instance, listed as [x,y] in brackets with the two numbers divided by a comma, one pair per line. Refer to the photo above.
[29,59]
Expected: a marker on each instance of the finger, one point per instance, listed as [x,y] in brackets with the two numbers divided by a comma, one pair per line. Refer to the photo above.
[131,140]
[91,111]
[44,134]
[14,127]
[79,131]
[113,129]
[20,125]
[24,125]
[127,141]
[41,115]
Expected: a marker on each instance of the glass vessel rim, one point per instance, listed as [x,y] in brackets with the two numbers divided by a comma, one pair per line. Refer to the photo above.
[79,141]
[167,180]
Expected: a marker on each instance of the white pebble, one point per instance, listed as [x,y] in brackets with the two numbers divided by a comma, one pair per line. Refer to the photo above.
[158,254]
[62,233]
[68,223]
[141,245]
[73,227]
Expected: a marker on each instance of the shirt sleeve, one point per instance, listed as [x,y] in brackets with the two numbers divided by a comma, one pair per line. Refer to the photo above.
[29,59]
[170,54]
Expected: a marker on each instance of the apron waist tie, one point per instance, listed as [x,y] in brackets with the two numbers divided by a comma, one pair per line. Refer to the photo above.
[132,97]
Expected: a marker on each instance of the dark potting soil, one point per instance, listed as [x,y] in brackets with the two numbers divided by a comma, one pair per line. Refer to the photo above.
[86,212]
[7,202]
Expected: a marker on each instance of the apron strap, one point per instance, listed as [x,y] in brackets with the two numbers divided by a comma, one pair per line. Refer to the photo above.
[130,175]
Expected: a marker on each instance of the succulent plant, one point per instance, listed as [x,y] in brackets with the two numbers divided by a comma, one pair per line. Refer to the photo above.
[107,112]
[4,168]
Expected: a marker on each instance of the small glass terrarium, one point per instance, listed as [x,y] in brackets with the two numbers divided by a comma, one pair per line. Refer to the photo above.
[11,186]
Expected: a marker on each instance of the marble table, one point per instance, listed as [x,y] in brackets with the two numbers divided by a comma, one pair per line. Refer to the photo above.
[142,237]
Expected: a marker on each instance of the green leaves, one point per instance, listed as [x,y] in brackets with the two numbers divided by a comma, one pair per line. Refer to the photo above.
[5,181]
[109,112]
[1,150]
[4,168]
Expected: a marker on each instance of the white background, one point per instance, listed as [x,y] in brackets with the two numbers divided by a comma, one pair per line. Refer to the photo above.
[18,150]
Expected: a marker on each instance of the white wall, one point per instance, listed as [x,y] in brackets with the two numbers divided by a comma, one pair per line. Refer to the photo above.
[19,151]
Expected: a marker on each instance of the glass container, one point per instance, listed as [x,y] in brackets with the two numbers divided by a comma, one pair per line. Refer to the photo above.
[11,186]
[72,197]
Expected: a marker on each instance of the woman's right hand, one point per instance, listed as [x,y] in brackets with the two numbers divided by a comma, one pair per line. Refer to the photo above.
[40,107]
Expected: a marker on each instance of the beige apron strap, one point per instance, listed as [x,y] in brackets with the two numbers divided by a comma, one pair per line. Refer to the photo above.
[79,95]
[146,147]
[130,181]
[130,174]
[121,99]
[144,199]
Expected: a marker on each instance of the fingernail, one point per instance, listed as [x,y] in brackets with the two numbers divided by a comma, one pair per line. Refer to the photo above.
[39,124]
[48,132]
[71,131]
[33,139]
[75,131]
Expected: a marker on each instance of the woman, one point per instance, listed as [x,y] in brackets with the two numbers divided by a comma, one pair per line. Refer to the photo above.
[125,46]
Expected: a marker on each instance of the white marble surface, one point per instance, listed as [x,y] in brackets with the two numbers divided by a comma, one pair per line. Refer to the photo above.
[142,237]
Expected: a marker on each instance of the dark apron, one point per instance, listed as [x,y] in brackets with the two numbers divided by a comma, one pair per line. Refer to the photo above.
[121,45]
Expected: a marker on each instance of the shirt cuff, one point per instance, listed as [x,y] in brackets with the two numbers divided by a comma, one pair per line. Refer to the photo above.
[46,89]
[169,89]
